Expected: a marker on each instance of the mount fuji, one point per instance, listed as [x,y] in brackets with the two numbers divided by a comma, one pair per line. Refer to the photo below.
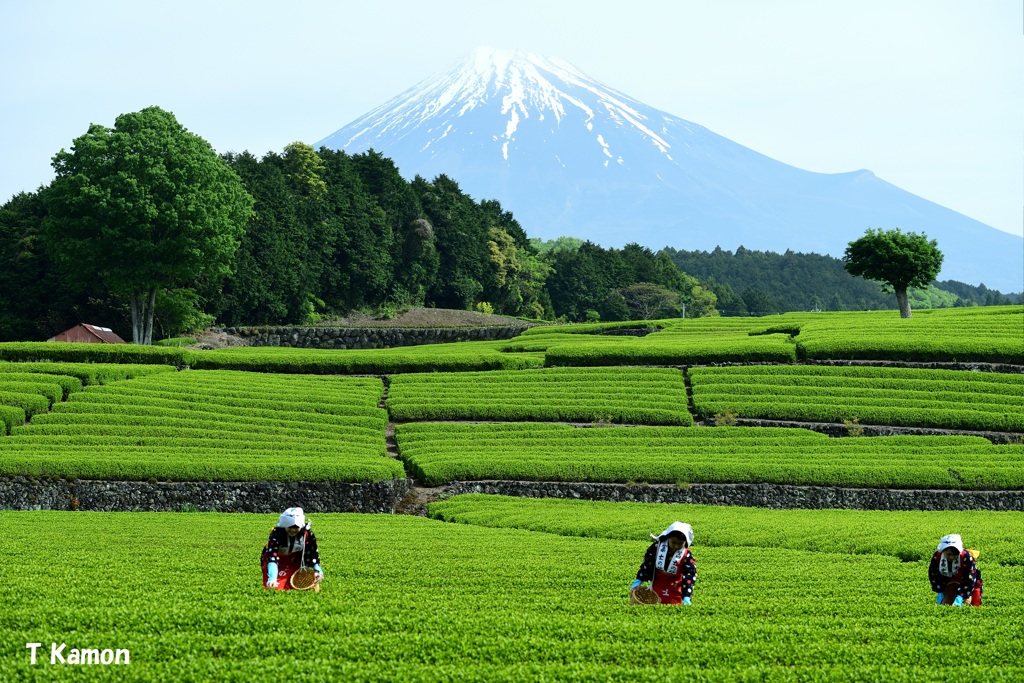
[571,156]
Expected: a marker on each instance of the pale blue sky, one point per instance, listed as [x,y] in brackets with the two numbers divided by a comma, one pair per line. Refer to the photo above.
[928,94]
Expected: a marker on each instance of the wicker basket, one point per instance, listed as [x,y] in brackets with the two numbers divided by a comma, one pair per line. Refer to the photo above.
[642,595]
[304,580]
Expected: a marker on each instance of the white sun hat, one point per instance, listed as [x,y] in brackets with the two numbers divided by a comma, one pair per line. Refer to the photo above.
[685,529]
[292,517]
[951,541]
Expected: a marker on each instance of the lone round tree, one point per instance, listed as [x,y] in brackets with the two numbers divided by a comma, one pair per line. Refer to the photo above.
[143,206]
[899,259]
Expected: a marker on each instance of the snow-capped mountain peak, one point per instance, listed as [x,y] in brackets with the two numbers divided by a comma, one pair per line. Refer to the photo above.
[569,155]
[520,86]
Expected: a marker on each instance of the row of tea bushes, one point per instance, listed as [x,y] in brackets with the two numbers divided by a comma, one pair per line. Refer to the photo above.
[210,426]
[882,396]
[910,536]
[427,358]
[442,452]
[623,395]
[88,373]
[668,348]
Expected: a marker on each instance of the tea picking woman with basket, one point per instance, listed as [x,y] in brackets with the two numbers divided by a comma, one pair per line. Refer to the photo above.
[290,559]
[954,574]
[669,566]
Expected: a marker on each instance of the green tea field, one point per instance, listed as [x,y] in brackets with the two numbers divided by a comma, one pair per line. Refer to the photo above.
[415,599]
[918,422]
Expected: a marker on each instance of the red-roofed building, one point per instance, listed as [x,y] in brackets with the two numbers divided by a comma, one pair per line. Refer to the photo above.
[90,334]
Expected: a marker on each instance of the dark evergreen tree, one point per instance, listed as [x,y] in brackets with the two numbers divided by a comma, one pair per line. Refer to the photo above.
[266,286]
[401,207]
[35,300]
[461,241]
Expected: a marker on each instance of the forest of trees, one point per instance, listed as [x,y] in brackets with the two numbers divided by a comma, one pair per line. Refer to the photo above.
[329,233]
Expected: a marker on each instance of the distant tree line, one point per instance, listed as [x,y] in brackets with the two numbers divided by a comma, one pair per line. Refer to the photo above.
[763,282]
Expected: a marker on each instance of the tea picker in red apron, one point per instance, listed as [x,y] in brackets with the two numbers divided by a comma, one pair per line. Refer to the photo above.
[669,566]
[954,575]
[290,558]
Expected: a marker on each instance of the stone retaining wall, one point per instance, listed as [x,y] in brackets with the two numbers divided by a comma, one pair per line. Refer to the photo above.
[754,495]
[24,493]
[368,337]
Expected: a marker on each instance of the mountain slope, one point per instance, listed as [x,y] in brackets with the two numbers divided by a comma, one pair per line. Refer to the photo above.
[570,156]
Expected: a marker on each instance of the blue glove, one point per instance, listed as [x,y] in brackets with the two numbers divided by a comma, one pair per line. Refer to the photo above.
[318,570]
[938,598]
[959,601]
[634,584]
[686,600]
[271,574]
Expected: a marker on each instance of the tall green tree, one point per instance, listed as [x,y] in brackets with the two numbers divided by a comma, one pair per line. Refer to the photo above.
[401,209]
[266,287]
[460,236]
[142,206]
[897,259]
[359,268]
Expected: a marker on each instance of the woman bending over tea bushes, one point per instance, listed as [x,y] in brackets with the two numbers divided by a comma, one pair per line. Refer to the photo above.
[669,566]
[954,575]
[291,548]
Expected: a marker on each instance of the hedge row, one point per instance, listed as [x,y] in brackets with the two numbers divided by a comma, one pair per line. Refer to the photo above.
[71,352]
[660,349]
[439,453]
[171,463]
[451,357]
[11,416]
[88,373]
[631,395]
[67,383]
[889,396]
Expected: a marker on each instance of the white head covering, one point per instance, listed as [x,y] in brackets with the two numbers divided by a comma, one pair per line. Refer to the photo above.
[292,517]
[952,541]
[685,529]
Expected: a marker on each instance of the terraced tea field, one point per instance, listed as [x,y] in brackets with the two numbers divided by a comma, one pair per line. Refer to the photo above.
[883,396]
[209,426]
[439,453]
[637,395]
[967,335]
[30,388]
[414,599]
[989,334]
[503,589]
